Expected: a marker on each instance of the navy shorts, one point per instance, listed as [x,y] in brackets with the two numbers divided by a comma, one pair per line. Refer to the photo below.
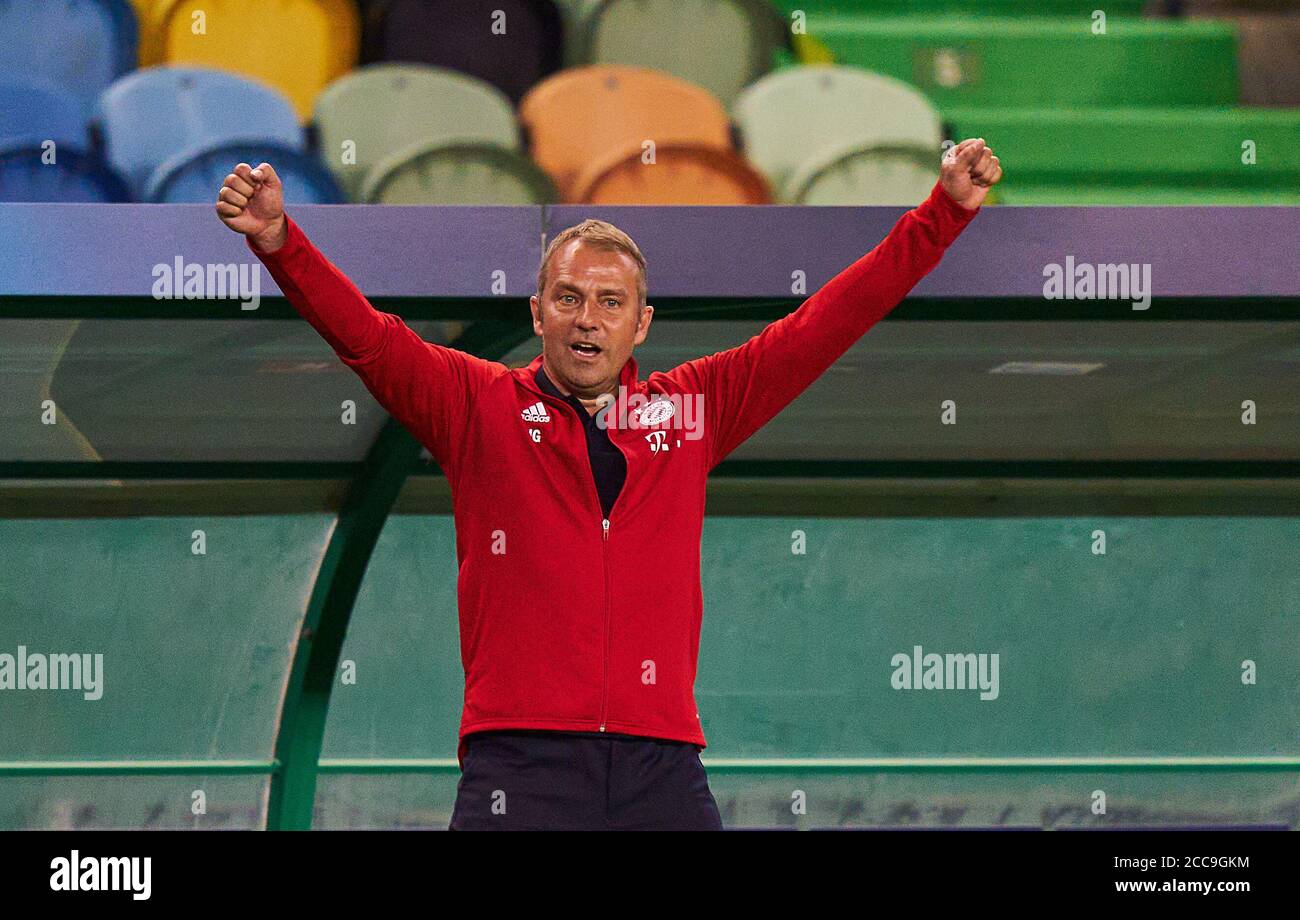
[547,780]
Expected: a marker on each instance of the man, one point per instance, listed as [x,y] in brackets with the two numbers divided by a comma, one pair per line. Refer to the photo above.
[578,527]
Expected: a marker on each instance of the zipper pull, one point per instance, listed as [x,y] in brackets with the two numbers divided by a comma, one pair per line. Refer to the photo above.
[605,524]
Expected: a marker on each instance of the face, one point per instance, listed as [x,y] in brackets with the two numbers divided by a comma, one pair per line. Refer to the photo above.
[590,298]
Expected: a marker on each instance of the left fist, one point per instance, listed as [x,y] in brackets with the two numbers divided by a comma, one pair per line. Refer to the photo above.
[968,171]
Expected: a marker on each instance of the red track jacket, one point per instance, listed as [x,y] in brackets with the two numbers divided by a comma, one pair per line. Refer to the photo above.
[615,651]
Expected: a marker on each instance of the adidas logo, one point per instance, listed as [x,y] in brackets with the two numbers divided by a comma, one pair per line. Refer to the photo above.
[535,413]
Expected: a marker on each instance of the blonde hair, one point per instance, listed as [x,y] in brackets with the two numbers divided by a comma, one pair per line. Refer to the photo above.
[601,235]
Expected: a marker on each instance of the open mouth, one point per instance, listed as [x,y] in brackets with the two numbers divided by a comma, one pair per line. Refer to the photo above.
[585,349]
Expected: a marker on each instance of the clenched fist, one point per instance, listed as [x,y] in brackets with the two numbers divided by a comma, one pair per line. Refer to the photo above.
[968,171]
[251,202]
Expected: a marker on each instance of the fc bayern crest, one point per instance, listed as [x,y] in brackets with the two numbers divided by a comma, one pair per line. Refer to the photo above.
[656,413]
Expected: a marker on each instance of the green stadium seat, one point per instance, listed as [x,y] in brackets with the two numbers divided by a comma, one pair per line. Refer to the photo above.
[721,45]
[801,124]
[1139,156]
[1145,196]
[989,7]
[381,109]
[886,175]
[437,172]
[1007,62]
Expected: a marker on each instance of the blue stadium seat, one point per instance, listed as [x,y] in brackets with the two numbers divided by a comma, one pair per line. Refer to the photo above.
[80,46]
[73,177]
[195,177]
[34,112]
[162,113]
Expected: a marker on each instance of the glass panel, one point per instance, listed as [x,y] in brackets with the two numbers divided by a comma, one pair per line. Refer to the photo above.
[397,801]
[132,802]
[1164,390]
[1138,653]
[180,390]
[1058,801]
[180,655]
[404,641]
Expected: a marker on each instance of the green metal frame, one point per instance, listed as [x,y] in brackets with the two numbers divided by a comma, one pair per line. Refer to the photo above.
[769,765]
[138,768]
[382,766]
[376,481]
[361,518]
[744,469]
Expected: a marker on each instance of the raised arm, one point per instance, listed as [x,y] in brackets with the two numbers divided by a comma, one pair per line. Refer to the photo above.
[746,386]
[426,387]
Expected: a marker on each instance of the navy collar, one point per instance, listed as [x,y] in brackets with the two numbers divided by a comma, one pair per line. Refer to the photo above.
[588,420]
[549,388]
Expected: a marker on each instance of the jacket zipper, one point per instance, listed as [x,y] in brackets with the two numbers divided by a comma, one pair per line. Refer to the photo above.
[604,552]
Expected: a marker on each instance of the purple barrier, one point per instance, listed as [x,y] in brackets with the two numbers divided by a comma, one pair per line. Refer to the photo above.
[751,252]
[389,251]
[94,250]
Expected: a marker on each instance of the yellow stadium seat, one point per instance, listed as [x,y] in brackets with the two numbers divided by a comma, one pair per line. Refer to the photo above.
[148,15]
[296,46]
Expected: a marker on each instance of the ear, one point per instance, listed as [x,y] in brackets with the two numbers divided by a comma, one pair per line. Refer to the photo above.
[537,314]
[643,324]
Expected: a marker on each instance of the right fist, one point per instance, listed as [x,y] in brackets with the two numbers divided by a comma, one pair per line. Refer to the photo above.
[251,202]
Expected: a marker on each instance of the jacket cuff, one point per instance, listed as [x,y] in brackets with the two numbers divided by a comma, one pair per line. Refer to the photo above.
[951,206]
[950,217]
[293,242]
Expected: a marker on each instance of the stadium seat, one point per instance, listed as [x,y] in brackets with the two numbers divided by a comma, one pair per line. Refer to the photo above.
[587,114]
[814,117]
[369,115]
[36,112]
[147,17]
[194,177]
[296,46]
[681,174]
[438,172]
[858,175]
[1040,61]
[574,13]
[159,113]
[79,46]
[1193,155]
[1168,195]
[511,44]
[989,7]
[721,45]
[74,176]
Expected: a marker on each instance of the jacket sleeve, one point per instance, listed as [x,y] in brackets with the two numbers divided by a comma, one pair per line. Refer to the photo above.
[745,387]
[426,387]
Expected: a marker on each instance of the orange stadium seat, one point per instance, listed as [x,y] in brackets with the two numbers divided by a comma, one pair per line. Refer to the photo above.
[296,46]
[680,174]
[586,115]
